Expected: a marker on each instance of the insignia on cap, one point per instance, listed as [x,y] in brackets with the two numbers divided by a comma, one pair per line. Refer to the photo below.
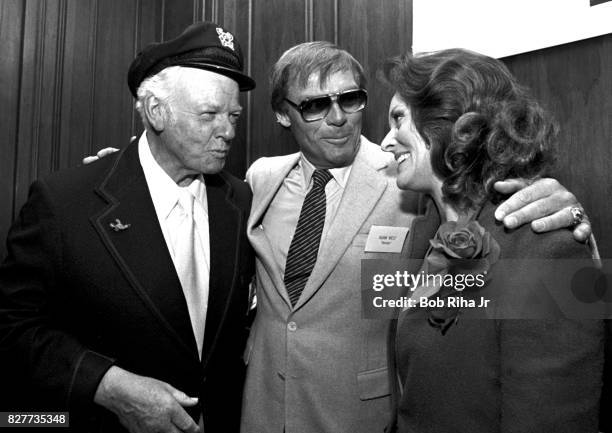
[226,38]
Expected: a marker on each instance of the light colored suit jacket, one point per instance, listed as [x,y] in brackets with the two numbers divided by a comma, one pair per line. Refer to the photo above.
[320,367]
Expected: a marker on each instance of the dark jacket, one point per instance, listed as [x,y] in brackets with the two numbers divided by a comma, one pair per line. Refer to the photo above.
[488,375]
[77,297]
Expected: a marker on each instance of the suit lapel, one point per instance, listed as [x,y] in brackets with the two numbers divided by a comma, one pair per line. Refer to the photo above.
[140,250]
[423,229]
[364,188]
[263,195]
[225,221]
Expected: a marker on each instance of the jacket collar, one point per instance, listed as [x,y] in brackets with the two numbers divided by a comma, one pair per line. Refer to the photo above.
[143,257]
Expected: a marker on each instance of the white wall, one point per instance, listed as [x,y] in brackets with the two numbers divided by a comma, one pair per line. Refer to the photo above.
[501,28]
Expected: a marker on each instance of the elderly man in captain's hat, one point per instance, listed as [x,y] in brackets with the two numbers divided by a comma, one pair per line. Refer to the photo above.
[125,289]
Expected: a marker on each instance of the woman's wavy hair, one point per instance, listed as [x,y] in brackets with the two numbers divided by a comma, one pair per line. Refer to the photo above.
[481,125]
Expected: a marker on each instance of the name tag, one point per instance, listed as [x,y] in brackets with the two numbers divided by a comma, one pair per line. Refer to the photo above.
[385,239]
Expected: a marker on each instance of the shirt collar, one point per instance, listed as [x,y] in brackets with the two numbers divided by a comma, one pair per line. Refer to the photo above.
[340,174]
[164,191]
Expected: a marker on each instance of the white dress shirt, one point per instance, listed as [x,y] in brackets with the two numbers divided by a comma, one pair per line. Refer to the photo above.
[165,194]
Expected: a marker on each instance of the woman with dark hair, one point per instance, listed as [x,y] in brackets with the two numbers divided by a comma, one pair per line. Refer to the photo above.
[460,122]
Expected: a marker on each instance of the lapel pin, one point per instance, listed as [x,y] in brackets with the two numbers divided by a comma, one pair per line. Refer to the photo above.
[119,226]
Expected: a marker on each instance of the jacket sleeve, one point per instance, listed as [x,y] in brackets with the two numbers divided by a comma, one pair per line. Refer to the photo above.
[65,371]
[551,369]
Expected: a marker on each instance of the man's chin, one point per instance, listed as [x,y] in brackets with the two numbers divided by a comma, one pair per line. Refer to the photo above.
[346,158]
[339,162]
[212,168]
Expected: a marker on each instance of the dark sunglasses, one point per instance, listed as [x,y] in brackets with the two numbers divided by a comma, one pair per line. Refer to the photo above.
[317,107]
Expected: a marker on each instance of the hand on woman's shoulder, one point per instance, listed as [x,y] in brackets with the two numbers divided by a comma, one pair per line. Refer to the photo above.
[524,243]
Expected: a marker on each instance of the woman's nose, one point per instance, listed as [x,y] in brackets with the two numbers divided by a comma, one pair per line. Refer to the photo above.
[388,143]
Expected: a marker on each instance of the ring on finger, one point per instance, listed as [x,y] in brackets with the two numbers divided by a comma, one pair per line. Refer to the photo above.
[577,215]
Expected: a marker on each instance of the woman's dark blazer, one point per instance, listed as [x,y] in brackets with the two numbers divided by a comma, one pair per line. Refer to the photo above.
[485,376]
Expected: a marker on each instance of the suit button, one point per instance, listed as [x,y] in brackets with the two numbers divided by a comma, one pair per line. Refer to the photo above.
[292,326]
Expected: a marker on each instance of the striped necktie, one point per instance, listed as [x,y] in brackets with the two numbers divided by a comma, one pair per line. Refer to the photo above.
[304,247]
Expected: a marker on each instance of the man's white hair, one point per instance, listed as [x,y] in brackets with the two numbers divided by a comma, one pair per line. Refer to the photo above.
[160,85]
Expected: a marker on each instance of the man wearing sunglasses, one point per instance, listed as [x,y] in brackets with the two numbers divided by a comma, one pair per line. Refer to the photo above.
[314,365]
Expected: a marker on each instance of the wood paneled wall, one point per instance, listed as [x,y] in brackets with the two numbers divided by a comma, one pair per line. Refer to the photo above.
[63,67]
[574,81]
[64,91]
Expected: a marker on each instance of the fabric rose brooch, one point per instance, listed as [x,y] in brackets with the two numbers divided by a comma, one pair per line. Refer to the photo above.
[456,266]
